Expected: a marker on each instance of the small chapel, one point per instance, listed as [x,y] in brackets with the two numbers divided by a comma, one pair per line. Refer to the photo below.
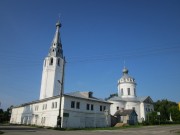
[127,101]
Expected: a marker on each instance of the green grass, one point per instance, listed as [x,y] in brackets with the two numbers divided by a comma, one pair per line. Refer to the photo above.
[1,132]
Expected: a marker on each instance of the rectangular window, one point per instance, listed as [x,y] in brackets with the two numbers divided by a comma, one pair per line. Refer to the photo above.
[77,105]
[44,120]
[55,104]
[44,107]
[92,107]
[52,105]
[36,108]
[72,104]
[104,108]
[87,107]
[100,108]
[128,91]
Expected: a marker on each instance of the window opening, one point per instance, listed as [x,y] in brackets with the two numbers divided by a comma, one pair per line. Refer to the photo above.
[104,108]
[92,107]
[100,108]
[122,93]
[72,104]
[52,105]
[129,91]
[87,106]
[51,61]
[78,105]
[58,62]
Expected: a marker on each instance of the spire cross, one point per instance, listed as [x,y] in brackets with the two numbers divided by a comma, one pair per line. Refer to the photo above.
[59,16]
[124,63]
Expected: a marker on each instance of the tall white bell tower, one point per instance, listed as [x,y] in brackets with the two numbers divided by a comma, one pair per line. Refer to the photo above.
[53,68]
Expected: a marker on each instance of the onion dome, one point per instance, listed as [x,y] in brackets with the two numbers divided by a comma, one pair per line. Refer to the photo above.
[125,71]
[126,78]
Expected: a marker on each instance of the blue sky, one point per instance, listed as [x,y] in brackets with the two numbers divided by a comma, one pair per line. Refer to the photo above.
[97,36]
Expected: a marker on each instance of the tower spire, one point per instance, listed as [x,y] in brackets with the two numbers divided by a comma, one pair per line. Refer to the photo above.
[56,46]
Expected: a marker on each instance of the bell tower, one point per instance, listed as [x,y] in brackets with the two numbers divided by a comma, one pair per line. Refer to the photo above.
[53,68]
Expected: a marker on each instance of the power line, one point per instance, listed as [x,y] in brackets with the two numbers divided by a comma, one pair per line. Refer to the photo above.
[126,54]
[29,61]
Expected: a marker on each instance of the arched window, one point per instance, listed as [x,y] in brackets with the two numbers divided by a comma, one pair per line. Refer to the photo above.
[51,61]
[122,93]
[134,91]
[58,62]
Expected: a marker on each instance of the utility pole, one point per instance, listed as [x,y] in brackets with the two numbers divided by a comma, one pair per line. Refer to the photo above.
[61,93]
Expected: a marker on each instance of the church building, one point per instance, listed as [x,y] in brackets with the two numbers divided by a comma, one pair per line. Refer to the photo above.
[55,108]
[127,100]
[78,109]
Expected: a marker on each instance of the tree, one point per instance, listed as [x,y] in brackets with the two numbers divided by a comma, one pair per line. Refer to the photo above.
[5,115]
[153,118]
[1,115]
[166,108]
[175,113]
